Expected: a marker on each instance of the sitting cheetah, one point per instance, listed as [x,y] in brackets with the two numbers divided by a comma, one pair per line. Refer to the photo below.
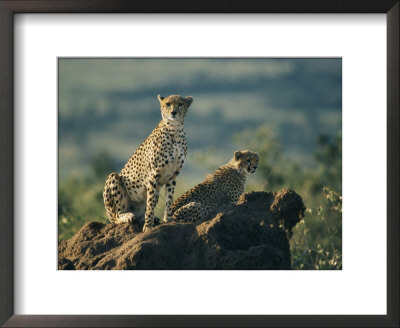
[219,189]
[133,194]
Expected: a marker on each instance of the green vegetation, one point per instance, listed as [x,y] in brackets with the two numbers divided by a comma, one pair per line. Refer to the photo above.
[80,199]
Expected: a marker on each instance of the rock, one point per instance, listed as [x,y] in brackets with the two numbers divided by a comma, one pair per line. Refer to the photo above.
[253,234]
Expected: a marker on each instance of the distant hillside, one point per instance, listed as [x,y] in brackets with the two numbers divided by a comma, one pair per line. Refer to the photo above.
[111,105]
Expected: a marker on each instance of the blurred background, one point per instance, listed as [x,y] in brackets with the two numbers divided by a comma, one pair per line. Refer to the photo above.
[288,110]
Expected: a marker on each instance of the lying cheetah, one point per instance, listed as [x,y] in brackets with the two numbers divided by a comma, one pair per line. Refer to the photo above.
[133,194]
[219,189]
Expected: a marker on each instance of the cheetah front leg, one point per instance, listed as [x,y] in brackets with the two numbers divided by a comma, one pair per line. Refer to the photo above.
[153,191]
[169,192]
[116,200]
[169,195]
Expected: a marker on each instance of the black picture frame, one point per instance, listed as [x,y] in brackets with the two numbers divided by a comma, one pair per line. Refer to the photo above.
[7,201]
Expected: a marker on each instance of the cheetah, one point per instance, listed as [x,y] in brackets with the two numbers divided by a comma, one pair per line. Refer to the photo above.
[133,193]
[219,190]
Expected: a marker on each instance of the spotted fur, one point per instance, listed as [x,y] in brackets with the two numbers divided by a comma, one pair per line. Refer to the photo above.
[220,189]
[133,193]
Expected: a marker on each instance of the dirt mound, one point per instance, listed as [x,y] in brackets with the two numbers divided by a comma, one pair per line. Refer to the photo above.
[254,234]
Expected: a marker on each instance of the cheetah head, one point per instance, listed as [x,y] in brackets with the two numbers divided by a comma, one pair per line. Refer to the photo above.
[246,160]
[174,108]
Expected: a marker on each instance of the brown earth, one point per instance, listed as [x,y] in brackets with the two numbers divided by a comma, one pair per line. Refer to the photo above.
[254,234]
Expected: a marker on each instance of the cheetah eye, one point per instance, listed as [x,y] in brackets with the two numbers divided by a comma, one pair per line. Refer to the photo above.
[180,104]
[168,104]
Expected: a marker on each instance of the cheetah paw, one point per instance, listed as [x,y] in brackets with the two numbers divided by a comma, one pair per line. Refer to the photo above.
[147,227]
[167,219]
[126,217]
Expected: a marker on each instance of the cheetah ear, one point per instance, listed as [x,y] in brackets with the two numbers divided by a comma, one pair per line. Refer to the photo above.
[160,98]
[189,100]
[237,155]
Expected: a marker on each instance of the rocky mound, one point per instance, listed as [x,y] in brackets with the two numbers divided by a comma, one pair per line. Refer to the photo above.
[254,234]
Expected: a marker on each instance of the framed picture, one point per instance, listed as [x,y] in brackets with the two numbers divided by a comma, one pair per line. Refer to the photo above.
[267,90]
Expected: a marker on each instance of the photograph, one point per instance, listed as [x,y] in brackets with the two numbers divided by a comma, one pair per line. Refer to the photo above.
[199,163]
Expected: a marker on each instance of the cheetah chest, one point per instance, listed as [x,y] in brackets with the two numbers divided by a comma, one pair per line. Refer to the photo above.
[174,162]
